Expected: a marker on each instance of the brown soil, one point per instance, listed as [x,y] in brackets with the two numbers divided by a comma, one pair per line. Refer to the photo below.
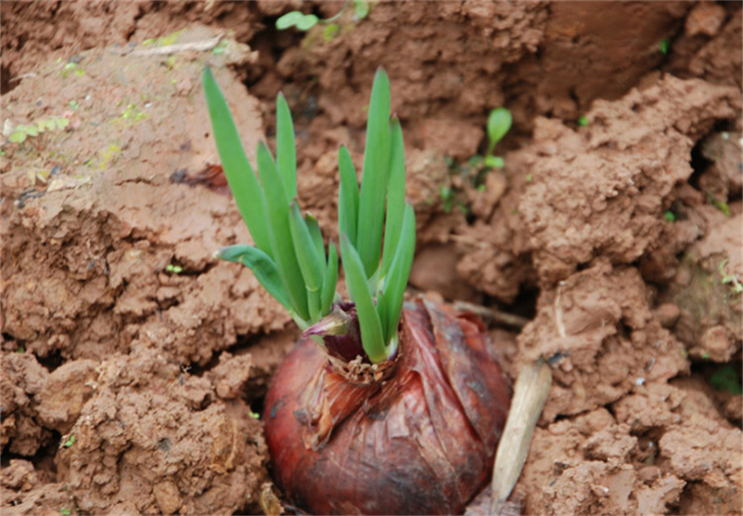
[133,361]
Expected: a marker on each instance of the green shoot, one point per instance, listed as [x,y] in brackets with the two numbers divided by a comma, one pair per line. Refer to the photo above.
[395,197]
[301,21]
[34,132]
[583,120]
[361,9]
[348,196]
[664,46]
[375,175]
[499,122]
[289,258]
[726,379]
[173,269]
[383,179]
[372,334]
[305,22]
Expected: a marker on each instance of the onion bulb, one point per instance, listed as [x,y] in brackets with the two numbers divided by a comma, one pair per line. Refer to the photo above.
[413,435]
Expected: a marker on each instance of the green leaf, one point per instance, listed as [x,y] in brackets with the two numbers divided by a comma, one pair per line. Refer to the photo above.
[494,162]
[316,233]
[307,22]
[664,46]
[244,185]
[263,267]
[361,9]
[375,175]
[397,279]
[499,122]
[348,196]
[331,31]
[31,130]
[286,151]
[279,232]
[371,328]
[310,262]
[17,136]
[331,279]
[289,20]
[395,197]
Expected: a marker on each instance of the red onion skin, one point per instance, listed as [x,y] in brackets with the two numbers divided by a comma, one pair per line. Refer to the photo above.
[421,442]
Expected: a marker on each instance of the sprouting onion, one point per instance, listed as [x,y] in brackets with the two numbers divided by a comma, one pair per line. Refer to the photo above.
[396,399]
[289,258]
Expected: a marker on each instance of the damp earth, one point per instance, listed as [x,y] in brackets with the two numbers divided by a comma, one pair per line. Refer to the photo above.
[134,364]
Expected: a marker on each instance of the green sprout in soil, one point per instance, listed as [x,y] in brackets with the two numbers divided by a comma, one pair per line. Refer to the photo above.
[173,269]
[35,133]
[726,379]
[289,258]
[499,122]
[664,46]
[65,512]
[447,197]
[130,115]
[669,216]
[71,68]
[163,41]
[720,205]
[221,47]
[583,120]
[70,441]
[305,22]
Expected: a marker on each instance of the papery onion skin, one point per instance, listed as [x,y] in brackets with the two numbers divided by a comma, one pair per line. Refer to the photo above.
[420,442]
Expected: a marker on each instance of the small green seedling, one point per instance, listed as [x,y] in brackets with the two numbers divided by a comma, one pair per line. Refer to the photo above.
[71,68]
[305,22]
[70,441]
[65,511]
[34,133]
[669,216]
[664,46]
[289,258]
[298,19]
[726,379]
[499,122]
[720,205]
[583,120]
[163,41]
[447,197]
[173,269]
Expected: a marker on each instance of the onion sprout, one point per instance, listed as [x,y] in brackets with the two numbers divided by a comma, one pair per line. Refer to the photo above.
[288,256]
